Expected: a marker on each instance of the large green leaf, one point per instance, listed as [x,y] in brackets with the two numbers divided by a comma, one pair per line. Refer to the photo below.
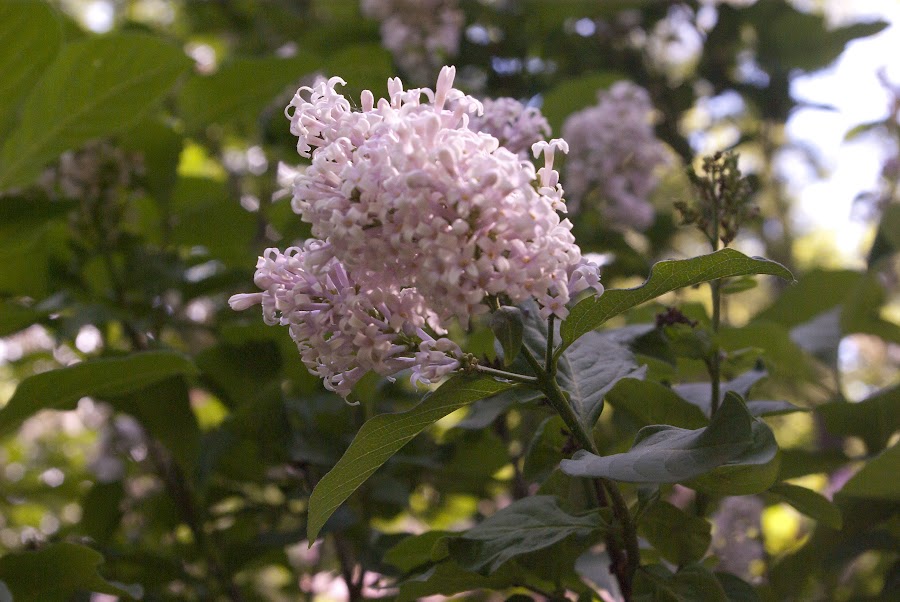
[874,419]
[55,572]
[29,39]
[382,436]
[228,94]
[752,471]
[810,503]
[667,454]
[95,87]
[665,276]
[525,526]
[678,536]
[105,378]
[878,478]
[652,403]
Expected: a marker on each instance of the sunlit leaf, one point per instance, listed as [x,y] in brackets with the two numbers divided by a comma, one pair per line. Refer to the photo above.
[665,276]
[95,87]
[382,436]
[527,525]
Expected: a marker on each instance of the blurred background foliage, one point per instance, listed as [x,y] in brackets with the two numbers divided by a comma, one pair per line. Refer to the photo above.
[139,180]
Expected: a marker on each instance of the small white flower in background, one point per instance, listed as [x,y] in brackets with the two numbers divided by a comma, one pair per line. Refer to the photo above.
[418,220]
[420,34]
[614,154]
[513,124]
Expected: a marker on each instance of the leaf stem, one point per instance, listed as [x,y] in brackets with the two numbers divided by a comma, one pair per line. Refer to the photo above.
[546,383]
[512,376]
[550,365]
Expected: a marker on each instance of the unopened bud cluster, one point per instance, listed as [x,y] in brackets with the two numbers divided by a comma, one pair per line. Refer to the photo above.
[723,201]
[419,221]
[615,156]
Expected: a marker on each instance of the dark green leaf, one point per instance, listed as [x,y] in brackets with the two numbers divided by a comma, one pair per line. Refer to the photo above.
[104,378]
[652,403]
[448,578]
[678,536]
[95,87]
[14,317]
[665,276]
[874,419]
[810,503]
[164,409]
[816,292]
[382,436]
[878,478]
[55,573]
[415,550]
[507,326]
[527,525]
[227,95]
[545,449]
[736,589]
[102,511]
[30,38]
[667,454]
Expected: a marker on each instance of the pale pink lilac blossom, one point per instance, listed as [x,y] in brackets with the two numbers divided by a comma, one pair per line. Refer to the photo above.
[418,220]
[341,328]
[405,191]
[515,125]
[615,156]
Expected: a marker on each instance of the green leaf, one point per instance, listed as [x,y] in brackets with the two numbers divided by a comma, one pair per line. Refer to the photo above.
[752,471]
[415,550]
[810,503]
[877,479]
[652,403]
[525,526]
[104,378]
[30,38]
[665,276]
[102,511]
[508,328]
[448,578]
[363,67]
[14,317]
[667,454]
[382,436]
[678,536]
[55,572]
[228,95]
[874,419]
[816,292]
[692,583]
[95,87]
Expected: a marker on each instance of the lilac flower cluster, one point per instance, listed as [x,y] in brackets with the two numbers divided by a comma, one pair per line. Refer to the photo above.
[418,221]
[516,126]
[614,155]
[421,34]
